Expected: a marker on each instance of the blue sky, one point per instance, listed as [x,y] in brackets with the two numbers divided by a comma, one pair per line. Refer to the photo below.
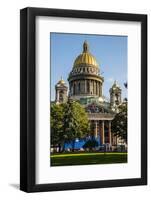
[109,51]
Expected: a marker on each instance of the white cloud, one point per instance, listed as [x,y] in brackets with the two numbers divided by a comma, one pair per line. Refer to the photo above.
[111,80]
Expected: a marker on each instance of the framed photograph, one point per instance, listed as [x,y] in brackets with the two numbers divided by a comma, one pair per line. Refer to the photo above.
[83,99]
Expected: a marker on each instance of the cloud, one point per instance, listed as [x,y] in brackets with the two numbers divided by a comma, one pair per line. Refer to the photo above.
[111,80]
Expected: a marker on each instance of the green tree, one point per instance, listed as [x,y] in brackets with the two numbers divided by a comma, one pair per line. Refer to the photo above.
[68,122]
[56,120]
[119,123]
[76,124]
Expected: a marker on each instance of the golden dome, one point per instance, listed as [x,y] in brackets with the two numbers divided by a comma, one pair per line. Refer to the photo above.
[61,81]
[85,58]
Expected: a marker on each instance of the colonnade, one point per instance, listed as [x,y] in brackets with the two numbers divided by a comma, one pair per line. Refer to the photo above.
[88,87]
[99,127]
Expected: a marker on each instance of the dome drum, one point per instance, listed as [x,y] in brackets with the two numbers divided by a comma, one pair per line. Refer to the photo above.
[86,87]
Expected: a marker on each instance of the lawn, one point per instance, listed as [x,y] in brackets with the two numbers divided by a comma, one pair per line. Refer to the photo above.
[65,159]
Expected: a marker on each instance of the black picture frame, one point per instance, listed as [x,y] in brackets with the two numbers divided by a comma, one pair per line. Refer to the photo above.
[28,98]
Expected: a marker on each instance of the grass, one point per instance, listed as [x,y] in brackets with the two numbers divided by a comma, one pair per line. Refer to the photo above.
[87,158]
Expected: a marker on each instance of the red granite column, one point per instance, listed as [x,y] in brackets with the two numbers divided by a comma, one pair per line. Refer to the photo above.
[96,129]
[109,133]
[102,132]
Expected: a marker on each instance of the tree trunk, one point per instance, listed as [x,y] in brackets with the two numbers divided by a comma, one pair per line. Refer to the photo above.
[63,147]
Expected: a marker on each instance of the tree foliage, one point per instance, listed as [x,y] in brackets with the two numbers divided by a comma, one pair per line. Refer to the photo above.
[68,122]
[119,123]
[75,121]
[56,121]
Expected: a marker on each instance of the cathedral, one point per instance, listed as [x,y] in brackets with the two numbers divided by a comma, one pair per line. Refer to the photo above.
[86,87]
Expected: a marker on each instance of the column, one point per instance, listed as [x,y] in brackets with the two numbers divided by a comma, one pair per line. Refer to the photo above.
[70,90]
[82,86]
[96,88]
[96,129]
[100,89]
[75,88]
[85,88]
[93,86]
[109,133]
[88,86]
[102,132]
[79,87]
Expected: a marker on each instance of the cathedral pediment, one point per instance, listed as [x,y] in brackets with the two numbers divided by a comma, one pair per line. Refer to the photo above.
[98,108]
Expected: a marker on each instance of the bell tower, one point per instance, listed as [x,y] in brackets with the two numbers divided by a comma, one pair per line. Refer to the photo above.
[61,91]
[115,95]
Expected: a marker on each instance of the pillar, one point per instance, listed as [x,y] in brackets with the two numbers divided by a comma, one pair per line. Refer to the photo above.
[85,90]
[96,129]
[98,89]
[100,93]
[109,133]
[93,87]
[102,132]
[82,87]
[79,87]
[75,87]
[101,89]
[88,86]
